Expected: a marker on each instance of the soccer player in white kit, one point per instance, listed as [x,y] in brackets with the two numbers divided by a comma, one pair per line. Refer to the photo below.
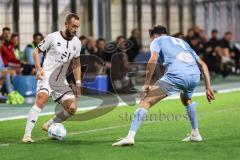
[60,49]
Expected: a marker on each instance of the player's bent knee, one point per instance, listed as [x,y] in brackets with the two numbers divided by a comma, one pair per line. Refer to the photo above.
[70,105]
[41,99]
[72,108]
[186,102]
[145,104]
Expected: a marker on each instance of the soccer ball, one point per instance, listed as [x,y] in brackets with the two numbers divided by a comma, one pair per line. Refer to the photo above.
[57,131]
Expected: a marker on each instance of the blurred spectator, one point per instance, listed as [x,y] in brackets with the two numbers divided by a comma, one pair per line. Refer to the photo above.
[84,42]
[7,50]
[106,56]
[15,41]
[210,56]
[91,45]
[28,52]
[136,47]
[213,41]
[190,34]
[100,43]
[120,67]
[120,39]
[226,54]
[194,44]
[5,73]
[179,35]
[225,43]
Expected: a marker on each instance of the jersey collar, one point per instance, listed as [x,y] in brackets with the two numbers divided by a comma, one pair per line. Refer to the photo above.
[67,39]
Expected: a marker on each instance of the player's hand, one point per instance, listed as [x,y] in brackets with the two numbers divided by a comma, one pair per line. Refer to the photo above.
[210,94]
[144,92]
[40,73]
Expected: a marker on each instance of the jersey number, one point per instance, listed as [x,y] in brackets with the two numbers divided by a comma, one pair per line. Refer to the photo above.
[65,56]
[178,41]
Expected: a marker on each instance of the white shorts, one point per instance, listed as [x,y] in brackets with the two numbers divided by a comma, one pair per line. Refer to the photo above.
[59,91]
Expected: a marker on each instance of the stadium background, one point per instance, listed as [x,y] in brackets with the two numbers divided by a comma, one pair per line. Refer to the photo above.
[110,18]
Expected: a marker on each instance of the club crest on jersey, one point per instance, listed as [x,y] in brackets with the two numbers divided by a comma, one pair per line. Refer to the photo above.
[59,44]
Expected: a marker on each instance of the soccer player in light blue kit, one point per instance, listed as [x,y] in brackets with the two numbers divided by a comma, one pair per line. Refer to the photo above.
[183,74]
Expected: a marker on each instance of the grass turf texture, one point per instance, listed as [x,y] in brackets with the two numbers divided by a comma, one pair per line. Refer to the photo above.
[219,126]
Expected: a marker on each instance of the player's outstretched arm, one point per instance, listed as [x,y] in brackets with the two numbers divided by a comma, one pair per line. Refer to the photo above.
[206,75]
[36,59]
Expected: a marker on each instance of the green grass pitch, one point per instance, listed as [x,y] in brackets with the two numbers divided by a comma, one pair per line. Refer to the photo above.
[161,139]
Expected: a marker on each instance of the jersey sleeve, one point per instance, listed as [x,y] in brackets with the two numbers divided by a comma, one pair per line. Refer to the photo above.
[78,50]
[45,44]
[155,47]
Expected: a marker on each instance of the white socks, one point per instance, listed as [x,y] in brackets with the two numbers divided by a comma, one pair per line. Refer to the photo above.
[32,119]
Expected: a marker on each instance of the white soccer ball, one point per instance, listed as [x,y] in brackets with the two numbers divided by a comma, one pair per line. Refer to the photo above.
[57,131]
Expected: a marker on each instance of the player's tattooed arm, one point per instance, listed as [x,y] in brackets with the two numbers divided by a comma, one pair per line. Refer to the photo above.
[40,71]
[204,69]
[150,69]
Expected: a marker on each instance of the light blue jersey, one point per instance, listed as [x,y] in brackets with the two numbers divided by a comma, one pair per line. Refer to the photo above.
[180,61]
[176,55]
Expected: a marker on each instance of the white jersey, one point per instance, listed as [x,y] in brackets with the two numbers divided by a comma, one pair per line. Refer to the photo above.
[58,54]
[58,51]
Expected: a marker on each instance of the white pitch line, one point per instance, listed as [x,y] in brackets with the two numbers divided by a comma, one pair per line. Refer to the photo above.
[228,90]
[52,113]
[4,144]
[122,104]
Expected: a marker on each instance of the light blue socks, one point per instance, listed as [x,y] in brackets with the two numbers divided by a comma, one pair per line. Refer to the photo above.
[192,114]
[139,116]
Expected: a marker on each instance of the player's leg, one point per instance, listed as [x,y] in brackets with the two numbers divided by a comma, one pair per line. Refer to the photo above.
[190,107]
[154,95]
[41,99]
[67,109]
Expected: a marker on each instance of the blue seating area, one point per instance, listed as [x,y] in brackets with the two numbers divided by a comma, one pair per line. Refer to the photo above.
[25,85]
[96,84]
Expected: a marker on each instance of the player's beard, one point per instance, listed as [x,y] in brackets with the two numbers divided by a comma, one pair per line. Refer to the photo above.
[70,34]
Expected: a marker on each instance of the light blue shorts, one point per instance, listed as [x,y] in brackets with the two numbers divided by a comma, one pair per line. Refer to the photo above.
[175,84]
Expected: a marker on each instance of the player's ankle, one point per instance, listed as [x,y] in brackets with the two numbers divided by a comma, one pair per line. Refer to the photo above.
[131,134]
[27,135]
[195,132]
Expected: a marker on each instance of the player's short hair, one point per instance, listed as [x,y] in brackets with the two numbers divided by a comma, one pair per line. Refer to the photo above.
[6,29]
[37,34]
[70,16]
[157,30]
